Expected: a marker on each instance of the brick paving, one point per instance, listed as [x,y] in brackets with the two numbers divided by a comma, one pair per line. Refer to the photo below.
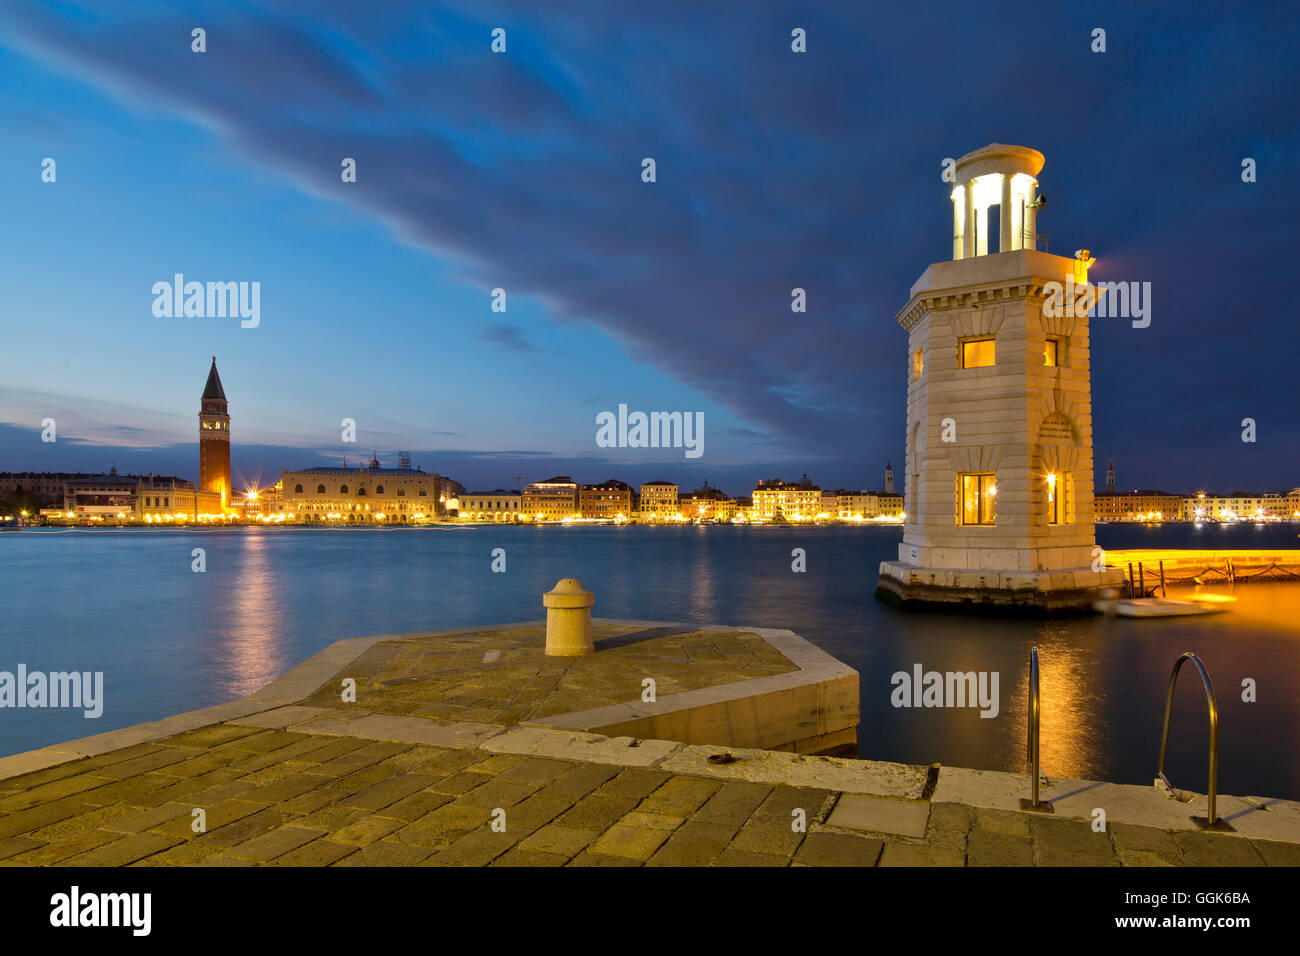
[277,797]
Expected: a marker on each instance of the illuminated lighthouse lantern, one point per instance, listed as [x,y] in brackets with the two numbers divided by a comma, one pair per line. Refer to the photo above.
[998,484]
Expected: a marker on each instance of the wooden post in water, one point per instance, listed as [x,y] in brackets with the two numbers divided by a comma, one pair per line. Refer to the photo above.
[1164,591]
[1130,579]
[1142,581]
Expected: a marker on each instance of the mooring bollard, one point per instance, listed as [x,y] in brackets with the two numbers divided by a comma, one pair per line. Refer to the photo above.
[568,619]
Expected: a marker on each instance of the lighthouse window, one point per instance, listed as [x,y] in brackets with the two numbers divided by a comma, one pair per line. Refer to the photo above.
[1052,352]
[977,353]
[977,499]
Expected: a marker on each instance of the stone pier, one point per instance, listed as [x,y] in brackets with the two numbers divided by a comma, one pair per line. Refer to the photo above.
[474,748]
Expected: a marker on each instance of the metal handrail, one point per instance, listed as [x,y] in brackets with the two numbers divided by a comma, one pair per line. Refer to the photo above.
[1212,817]
[1032,758]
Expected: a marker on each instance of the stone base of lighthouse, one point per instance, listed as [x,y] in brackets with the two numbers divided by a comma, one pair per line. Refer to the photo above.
[1065,591]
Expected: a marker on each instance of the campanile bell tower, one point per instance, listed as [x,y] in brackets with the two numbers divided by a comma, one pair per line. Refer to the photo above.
[214,438]
[998,484]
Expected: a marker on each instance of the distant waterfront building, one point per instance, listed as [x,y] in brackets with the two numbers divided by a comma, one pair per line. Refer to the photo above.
[776,499]
[998,480]
[1145,505]
[551,500]
[658,501]
[98,496]
[889,505]
[612,499]
[498,505]
[707,504]
[214,438]
[1110,476]
[48,487]
[1242,506]
[159,498]
[889,478]
[366,494]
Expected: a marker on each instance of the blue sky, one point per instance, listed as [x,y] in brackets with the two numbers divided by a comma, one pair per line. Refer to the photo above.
[521,171]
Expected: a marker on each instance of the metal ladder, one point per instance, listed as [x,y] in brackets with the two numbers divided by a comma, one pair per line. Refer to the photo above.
[1212,821]
[1032,760]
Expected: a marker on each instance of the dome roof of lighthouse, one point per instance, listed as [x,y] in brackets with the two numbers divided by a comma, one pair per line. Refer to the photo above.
[213,389]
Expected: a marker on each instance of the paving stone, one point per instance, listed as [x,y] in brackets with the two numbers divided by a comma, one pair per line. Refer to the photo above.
[273,843]
[993,848]
[950,816]
[59,850]
[679,796]
[25,821]
[1146,858]
[596,812]
[910,854]
[733,802]
[601,859]
[521,857]
[557,839]
[384,853]
[768,835]
[383,794]
[12,846]
[1127,836]
[1214,849]
[55,789]
[1278,854]
[1070,836]
[495,793]
[227,827]
[635,782]
[124,850]
[211,735]
[366,830]
[580,780]
[1002,821]
[733,857]
[148,819]
[823,848]
[479,847]
[317,853]
[695,843]
[1056,856]
[783,801]
[461,782]
[880,815]
[650,821]
[415,806]
[636,843]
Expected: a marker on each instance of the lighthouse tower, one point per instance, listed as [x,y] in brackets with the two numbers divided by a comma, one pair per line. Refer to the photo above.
[214,438]
[998,477]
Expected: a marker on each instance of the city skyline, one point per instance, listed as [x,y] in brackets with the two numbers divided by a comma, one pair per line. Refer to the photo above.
[666,295]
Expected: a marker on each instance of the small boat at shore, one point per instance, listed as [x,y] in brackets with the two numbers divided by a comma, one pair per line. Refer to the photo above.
[1158,607]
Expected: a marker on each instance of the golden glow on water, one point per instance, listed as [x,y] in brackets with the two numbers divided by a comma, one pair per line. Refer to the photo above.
[252,647]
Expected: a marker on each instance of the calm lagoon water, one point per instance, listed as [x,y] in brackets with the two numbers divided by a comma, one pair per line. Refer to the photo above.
[169,640]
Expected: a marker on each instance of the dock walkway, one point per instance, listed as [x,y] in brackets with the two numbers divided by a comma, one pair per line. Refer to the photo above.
[454,755]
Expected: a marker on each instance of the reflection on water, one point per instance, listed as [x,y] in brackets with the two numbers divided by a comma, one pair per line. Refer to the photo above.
[250,649]
[170,640]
